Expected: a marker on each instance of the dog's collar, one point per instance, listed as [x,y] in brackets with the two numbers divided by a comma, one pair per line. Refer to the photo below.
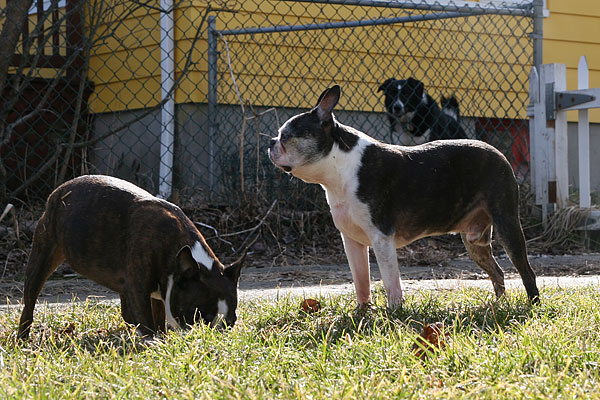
[408,126]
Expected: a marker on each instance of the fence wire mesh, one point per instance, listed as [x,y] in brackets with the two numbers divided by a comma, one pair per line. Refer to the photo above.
[182,98]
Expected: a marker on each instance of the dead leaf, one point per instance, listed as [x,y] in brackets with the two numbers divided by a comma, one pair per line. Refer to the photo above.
[311,305]
[69,330]
[432,337]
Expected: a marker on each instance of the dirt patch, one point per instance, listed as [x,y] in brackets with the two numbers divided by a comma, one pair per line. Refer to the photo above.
[327,278]
[292,249]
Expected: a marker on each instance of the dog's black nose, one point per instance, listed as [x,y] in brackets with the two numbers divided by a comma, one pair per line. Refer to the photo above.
[272,143]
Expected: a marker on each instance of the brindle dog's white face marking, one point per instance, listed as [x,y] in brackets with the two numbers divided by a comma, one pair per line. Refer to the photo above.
[222,310]
[201,256]
[168,312]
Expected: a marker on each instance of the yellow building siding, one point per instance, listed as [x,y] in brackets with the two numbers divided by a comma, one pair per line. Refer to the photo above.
[126,59]
[125,67]
[126,72]
[573,30]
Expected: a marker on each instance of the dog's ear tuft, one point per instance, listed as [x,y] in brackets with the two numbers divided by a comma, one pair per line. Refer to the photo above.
[327,101]
[385,84]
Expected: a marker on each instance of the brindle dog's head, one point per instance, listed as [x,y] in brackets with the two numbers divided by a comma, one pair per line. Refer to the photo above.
[203,293]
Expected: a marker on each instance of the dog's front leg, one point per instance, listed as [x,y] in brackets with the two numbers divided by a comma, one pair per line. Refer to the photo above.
[358,258]
[387,260]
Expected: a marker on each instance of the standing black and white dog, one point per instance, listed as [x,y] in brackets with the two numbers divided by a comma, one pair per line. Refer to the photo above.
[407,104]
[387,196]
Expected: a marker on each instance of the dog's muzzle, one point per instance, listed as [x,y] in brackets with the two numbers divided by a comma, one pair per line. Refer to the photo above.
[398,110]
[274,154]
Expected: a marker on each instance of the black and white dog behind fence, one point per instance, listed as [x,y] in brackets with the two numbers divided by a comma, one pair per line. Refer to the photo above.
[418,114]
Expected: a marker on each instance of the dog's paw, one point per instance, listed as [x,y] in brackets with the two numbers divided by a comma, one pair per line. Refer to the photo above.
[394,303]
[365,309]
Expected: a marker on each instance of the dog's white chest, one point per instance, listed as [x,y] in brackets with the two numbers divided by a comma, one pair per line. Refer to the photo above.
[350,219]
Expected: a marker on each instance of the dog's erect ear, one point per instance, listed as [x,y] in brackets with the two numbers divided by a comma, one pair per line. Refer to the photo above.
[418,86]
[321,96]
[187,266]
[328,99]
[385,85]
[232,271]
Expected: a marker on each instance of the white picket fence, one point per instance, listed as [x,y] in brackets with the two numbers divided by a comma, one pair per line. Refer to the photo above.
[548,150]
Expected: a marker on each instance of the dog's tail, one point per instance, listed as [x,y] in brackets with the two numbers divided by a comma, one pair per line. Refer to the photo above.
[450,107]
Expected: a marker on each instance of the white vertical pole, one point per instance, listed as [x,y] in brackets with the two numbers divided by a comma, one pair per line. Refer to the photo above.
[167,69]
[583,132]
[534,104]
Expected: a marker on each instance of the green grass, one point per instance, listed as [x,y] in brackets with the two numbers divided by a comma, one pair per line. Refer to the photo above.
[496,349]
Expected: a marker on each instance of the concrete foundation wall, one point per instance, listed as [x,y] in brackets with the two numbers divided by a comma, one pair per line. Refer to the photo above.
[200,169]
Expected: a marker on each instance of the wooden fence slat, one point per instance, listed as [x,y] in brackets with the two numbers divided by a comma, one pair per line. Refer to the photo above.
[561,138]
[548,134]
[583,132]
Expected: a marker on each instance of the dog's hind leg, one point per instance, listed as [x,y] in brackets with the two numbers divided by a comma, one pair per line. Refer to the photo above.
[481,252]
[510,234]
[46,256]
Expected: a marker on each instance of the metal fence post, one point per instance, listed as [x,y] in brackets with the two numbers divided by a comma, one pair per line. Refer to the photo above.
[167,113]
[538,33]
[533,112]
[212,98]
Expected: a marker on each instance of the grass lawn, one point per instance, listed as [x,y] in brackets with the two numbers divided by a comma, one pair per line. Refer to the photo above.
[495,349]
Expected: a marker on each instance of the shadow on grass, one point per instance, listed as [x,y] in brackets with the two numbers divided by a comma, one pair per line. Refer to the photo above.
[121,340]
[88,326]
[466,311]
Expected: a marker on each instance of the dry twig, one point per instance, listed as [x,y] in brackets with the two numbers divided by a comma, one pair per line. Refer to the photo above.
[11,209]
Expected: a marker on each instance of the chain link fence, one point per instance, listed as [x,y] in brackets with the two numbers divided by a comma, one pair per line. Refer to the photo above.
[181,97]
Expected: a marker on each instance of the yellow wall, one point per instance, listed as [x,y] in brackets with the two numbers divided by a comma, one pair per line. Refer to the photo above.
[573,30]
[125,68]
[128,65]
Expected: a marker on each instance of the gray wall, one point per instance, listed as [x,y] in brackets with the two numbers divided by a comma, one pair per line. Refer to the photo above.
[133,153]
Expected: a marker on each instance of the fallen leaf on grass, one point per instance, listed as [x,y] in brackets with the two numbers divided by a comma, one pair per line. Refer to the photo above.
[69,330]
[432,337]
[310,305]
